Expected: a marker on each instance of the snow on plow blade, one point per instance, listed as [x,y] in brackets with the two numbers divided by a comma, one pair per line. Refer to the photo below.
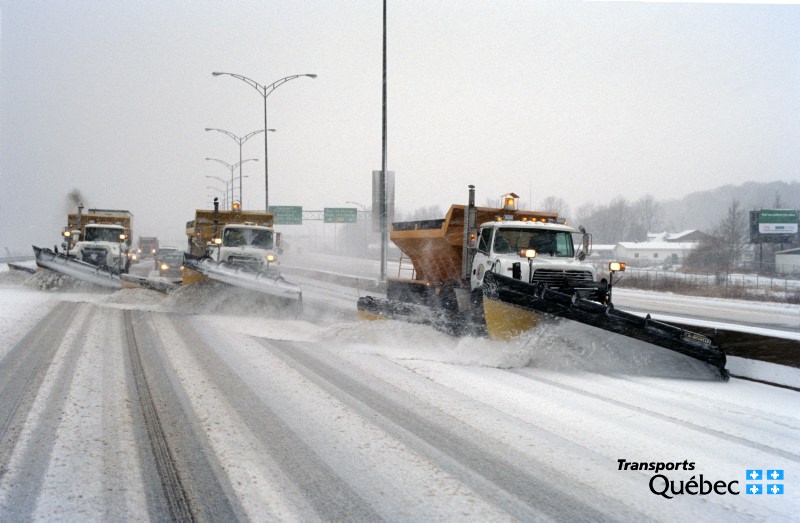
[77,269]
[542,299]
[132,282]
[262,282]
[371,308]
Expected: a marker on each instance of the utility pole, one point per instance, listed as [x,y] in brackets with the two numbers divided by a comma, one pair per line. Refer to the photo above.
[383,209]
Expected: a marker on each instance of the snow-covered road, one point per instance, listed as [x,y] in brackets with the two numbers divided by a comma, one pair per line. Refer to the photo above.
[210,403]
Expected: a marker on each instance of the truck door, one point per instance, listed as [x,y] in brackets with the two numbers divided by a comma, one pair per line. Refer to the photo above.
[481,259]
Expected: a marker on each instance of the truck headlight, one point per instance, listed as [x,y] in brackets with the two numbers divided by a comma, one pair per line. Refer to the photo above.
[271,258]
[164,267]
[616,266]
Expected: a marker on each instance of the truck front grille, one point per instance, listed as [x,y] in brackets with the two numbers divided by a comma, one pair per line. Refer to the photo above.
[248,262]
[95,256]
[561,278]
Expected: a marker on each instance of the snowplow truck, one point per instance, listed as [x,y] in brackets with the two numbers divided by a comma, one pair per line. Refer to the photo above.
[96,247]
[501,271]
[100,237]
[148,246]
[238,248]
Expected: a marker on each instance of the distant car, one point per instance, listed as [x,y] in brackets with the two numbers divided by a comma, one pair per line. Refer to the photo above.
[163,251]
[171,265]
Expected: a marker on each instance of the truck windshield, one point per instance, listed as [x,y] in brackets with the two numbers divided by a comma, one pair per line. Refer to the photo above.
[102,234]
[239,237]
[553,243]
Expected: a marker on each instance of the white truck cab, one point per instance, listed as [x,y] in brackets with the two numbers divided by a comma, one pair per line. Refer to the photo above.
[531,251]
[102,245]
[250,246]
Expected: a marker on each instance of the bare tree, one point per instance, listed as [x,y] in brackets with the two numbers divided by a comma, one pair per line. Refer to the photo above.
[607,223]
[723,250]
[778,204]
[555,204]
[732,232]
[646,216]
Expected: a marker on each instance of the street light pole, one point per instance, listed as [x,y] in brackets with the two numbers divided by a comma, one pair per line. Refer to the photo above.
[240,141]
[224,194]
[265,91]
[233,168]
[382,191]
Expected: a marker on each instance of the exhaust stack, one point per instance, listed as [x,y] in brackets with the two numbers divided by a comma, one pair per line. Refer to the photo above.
[470,215]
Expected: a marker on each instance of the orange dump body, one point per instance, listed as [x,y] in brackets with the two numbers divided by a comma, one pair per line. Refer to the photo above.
[435,246]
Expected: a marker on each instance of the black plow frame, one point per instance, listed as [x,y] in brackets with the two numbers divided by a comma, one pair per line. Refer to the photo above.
[541,298]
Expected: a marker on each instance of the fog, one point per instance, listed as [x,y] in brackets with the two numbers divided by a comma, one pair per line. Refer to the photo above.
[106,103]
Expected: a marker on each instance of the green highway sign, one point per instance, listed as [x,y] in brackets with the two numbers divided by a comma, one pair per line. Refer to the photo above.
[340,215]
[287,214]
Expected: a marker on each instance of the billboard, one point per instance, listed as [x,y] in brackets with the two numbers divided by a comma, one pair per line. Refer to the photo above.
[777,221]
[774,226]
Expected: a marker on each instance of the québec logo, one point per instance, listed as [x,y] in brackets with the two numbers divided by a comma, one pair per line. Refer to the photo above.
[764,482]
[757,482]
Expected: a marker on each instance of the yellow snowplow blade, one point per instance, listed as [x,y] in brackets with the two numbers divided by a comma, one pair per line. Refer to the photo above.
[505,321]
[364,315]
[190,276]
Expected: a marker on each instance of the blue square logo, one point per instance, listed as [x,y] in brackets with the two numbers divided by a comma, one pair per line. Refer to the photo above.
[774,475]
[753,475]
[775,488]
[754,489]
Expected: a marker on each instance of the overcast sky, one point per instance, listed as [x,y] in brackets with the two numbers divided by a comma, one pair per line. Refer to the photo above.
[581,100]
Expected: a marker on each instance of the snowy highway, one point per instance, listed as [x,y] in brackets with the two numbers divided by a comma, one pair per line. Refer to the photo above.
[212,404]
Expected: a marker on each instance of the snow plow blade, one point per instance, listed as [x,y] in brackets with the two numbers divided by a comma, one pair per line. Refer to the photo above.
[21,268]
[540,298]
[77,269]
[371,308]
[263,282]
[132,282]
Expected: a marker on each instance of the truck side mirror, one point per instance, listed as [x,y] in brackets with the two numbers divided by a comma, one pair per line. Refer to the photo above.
[586,244]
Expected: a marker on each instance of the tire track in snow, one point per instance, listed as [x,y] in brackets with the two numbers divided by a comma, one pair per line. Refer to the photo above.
[166,469]
[327,493]
[22,371]
[192,483]
[686,424]
[525,489]
[31,360]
